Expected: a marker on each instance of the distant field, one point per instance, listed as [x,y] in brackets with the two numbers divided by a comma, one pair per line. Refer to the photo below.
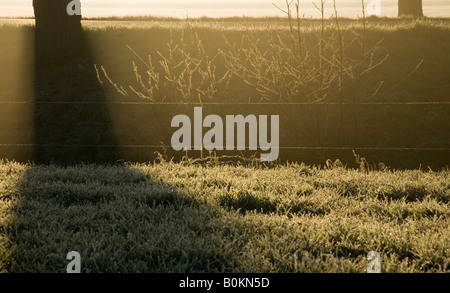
[210,218]
[238,21]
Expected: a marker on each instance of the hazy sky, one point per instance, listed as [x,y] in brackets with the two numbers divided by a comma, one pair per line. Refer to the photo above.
[216,8]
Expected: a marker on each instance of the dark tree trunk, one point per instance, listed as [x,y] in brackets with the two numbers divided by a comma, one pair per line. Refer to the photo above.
[410,7]
[66,130]
[58,35]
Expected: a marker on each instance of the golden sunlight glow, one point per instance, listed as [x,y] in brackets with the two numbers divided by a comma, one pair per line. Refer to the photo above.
[16,115]
[215,8]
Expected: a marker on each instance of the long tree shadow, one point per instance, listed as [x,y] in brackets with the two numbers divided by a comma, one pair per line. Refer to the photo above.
[120,218]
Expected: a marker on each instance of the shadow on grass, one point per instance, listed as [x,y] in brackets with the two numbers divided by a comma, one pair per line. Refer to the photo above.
[119,218]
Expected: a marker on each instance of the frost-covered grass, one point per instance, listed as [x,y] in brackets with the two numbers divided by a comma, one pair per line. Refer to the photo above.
[169,217]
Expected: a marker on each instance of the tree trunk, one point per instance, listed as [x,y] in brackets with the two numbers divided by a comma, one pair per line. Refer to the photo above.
[68,132]
[58,35]
[410,7]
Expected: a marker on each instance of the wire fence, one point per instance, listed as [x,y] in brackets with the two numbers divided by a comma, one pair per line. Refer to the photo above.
[228,104]
[305,148]
[331,148]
